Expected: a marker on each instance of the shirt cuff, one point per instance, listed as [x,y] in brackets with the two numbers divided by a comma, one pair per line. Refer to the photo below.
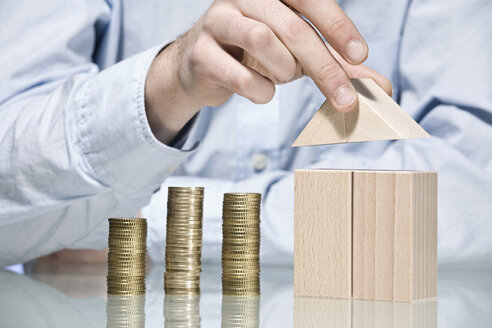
[110,129]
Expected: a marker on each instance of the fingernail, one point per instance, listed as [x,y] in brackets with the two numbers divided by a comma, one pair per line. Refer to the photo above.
[345,96]
[356,51]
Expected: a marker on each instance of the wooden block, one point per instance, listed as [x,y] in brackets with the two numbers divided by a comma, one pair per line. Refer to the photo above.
[394,235]
[322,233]
[363,235]
[366,234]
[378,117]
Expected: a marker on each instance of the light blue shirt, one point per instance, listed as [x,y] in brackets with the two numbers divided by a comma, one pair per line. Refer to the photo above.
[75,146]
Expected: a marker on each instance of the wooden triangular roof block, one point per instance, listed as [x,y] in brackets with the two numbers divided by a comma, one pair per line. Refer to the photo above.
[378,117]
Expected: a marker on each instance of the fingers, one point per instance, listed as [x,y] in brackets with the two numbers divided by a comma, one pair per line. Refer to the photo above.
[309,49]
[362,71]
[335,26]
[260,42]
[214,64]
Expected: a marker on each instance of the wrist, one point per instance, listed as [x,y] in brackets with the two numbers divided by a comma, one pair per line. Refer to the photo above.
[167,105]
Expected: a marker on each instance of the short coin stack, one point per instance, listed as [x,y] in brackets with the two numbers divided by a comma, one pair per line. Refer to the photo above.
[241,244]
[184,240]
[127,255]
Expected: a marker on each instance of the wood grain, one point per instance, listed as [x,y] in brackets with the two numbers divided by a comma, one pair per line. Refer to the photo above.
[364,223]
[394,235]
[378,117]
[366,234]
[323,233]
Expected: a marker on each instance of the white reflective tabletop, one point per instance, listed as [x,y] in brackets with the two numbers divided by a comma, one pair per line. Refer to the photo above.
[70,295]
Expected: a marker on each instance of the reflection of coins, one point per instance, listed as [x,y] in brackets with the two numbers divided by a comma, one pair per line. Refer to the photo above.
[181,310]
[241,244]
[183,240]
[127,256]
[125,311]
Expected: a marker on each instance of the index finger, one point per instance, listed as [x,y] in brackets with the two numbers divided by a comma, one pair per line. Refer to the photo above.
[337,28]
[308,48]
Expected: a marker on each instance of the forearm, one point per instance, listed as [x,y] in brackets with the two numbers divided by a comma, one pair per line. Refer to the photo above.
[84,137]
[73,154]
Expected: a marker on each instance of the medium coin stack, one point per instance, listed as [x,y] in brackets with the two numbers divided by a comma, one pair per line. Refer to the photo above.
[240,311]
[182,311]
[127,255]
[184,240]
[125,311]
[241,244]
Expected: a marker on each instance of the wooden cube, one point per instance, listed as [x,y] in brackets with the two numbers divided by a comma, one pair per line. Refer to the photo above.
[384,223]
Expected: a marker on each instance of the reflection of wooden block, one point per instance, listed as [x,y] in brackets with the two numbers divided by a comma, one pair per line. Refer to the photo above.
[377,314]
[312,312]
[394,235]
[366,234]
[378,117]
[323,214]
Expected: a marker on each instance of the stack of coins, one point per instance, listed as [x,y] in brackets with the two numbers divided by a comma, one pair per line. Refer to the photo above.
[127,255]
[125,311]
[184,240]
[240,311]
[182,311]
[241,244]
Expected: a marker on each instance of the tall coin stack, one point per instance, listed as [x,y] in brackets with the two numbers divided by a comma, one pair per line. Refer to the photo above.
[241,244]
[126,257]
[184,240]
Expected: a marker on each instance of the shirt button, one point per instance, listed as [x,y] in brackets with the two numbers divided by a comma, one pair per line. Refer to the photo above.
[260,161]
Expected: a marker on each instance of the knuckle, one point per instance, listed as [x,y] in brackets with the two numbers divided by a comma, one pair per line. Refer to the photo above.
[198,54]
[209,19]
[338,26]
[295,29]
[301,3]
[257,37]
[241,84]
[286,75]
[328,72]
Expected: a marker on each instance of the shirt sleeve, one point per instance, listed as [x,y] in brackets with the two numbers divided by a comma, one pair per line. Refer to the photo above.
[75,144]
[444,78]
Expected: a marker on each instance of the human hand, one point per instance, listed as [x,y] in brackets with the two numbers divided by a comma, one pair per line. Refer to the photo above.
[246,47]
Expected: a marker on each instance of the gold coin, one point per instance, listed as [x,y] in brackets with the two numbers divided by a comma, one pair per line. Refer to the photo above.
[241,287]
[190,189]
[242,194]
[240,271]
[130,224]
[183,291]
[240,258]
